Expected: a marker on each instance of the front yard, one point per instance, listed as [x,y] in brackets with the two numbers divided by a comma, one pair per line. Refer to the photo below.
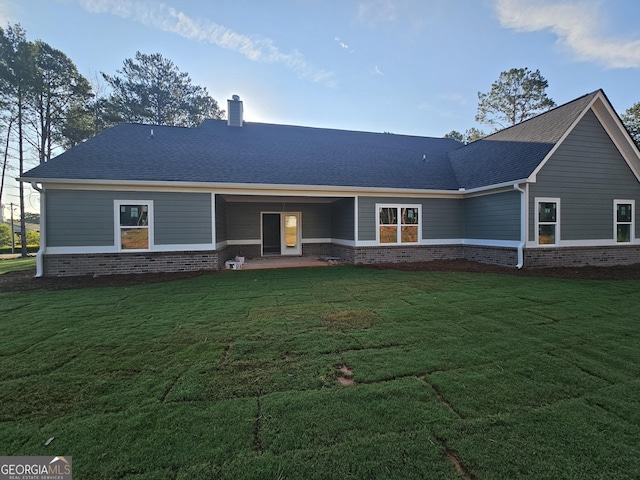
[325,373]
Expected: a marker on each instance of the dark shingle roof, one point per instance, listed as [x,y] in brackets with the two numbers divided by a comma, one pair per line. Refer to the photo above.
[257,154]
[515,152]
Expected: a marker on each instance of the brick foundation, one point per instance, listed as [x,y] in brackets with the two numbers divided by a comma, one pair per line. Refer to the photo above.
[316,249]
[156,262]
[582,256]
[124,263]
[346,254]
[505,256]
[371,255]
[395,254]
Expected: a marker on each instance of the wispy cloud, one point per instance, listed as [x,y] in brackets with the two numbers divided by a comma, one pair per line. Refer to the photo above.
[168,19]
[341,43]
[577,26]
[373,12]
[378,71]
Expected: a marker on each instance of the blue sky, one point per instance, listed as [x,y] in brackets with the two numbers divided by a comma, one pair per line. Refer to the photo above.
[403,66]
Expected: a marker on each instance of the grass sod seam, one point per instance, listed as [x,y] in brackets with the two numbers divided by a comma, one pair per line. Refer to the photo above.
[235,376]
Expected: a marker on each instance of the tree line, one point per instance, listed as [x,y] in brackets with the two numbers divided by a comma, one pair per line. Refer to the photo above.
[47,106]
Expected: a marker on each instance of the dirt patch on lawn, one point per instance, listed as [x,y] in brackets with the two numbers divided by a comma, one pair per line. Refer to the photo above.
[344,375]
[25,279]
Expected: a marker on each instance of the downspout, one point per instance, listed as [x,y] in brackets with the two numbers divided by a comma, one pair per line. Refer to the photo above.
[523,224]
[43,230]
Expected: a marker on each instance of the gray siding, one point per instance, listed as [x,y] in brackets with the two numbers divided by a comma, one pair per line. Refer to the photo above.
[441,217]
[343,219]
[86,218]
[587,173]
[243,219]
[182,218]
[79,218]
[493,217]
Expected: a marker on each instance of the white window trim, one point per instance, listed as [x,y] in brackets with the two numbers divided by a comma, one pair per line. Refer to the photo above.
[398,206]
[538,201]
[616,223]
[117,228]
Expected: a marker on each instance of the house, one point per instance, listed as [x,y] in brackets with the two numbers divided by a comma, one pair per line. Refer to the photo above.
[558,189]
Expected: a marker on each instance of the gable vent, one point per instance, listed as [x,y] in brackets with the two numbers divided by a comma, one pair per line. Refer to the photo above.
[234,112]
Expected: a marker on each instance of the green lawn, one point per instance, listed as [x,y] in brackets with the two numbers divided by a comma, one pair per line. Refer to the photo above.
[235,376]
[11,264]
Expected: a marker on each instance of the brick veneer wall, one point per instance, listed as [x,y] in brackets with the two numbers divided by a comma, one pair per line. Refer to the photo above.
[155,262]
[115,263]
[505,256]
[346,254]
[316,249]
[581,256]
[371,255]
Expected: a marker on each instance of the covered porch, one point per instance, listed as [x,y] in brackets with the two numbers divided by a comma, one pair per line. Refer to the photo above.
[264,228]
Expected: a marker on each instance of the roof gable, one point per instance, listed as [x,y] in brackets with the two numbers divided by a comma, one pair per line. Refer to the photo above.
[514,153]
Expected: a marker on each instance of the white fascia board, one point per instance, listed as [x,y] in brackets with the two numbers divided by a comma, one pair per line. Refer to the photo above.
[238,188]
[285,190]
[253,189]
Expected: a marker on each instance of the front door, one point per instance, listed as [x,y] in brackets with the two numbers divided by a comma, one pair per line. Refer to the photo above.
[281,233]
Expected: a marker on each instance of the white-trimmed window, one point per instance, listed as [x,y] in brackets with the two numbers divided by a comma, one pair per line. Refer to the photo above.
[134,224]
[547,221]
[398,224]
[623,224]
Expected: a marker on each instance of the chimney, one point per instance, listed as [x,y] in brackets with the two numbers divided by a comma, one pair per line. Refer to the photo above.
[234,111]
